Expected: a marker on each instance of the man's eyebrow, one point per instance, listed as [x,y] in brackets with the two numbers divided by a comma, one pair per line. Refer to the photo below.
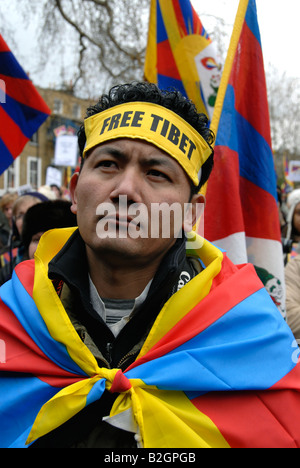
[144,161]
[158,162]
[110,150]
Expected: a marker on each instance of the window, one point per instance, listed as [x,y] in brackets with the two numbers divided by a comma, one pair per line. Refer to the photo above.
[76,112]
[58,106]
[34,139]
[11,176]
[34,172]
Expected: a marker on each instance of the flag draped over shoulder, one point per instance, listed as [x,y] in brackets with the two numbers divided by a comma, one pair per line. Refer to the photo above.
[241,213]
[176,390]
[22,109]
[180,53]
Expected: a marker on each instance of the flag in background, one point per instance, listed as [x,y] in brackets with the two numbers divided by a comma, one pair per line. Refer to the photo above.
[180,53]
[241,213]
[22,109]
[288,184]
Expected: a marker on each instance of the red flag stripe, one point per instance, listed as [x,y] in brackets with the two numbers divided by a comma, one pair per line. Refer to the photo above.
[22,353]
[179,18]
[3,46]
[165,61]
[259,204]
[245,419]
[224,213]
[253,106]
[25,93]
[13,138]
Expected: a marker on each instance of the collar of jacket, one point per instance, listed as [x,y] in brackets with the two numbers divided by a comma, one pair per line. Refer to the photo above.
[70,265]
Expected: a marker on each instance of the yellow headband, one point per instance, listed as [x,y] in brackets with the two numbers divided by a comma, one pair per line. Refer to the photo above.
[155,124]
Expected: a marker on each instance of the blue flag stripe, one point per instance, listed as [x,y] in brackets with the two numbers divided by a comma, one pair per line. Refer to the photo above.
[251,20]
[6,158]
[26,117]
[259,171]
[10,67]
[32,397]
[28,315]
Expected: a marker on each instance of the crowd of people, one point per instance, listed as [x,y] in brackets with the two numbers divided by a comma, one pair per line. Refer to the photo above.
[24,218]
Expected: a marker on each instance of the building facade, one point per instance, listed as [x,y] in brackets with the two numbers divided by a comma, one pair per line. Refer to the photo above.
[30,168]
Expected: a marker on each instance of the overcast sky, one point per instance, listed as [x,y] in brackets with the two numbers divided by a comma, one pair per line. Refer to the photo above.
[278,21]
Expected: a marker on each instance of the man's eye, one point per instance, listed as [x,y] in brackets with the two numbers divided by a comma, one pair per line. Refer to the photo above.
[107,164]
[158,174]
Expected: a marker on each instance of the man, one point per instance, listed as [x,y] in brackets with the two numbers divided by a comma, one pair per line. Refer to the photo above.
[119,336]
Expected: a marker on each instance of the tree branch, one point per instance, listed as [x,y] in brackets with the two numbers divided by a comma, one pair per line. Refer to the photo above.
[74,25]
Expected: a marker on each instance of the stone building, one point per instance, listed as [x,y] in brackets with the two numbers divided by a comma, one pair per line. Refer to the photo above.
[30,168]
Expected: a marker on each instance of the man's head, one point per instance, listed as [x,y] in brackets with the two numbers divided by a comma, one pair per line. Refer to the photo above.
[172,100]
[144,148]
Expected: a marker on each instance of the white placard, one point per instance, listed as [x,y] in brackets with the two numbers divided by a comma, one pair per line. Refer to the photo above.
[53,176]
[66,150]
[294,171]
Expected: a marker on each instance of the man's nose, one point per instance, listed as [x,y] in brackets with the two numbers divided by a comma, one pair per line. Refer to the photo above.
[129,184]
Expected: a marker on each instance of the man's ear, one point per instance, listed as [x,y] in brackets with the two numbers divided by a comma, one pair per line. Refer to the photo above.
[72,187]
[195,210]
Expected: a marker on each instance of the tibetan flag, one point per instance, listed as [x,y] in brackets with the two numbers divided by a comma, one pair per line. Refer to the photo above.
[22,109]
[241,213]
[180,54]
[219,368]
[289,185]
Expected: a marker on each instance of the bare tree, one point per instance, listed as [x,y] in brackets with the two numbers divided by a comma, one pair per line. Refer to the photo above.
[97,42]
[284,106]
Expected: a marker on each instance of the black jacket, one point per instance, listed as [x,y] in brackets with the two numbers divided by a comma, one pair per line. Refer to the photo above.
[69,272]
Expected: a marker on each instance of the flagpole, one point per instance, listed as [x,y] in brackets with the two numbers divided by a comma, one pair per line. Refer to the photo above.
[236,32]
[150,68]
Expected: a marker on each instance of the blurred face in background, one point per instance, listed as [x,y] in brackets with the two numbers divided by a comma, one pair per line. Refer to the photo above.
[20,209]
[6,206]
[8,212]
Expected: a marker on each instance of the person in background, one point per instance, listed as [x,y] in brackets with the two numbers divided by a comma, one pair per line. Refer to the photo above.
[62,193]
[42,217]
[4,230]
[22,204]
[291,231]
[292,283]
[57,190]
[47,192]
[282,217]
[6,207]
[14,251]
[292,261]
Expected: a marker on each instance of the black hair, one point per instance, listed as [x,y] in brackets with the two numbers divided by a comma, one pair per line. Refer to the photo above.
[171,99]
[47,215]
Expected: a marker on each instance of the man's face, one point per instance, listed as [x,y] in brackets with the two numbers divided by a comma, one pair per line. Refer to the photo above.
[126,175]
